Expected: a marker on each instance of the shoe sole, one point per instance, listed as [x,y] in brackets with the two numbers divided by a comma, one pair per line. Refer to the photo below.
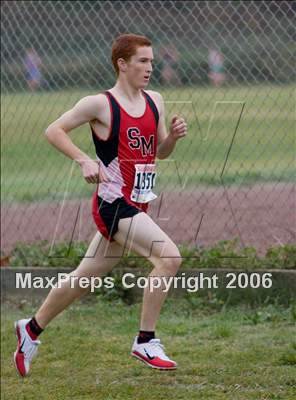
[153,366]
[15,353]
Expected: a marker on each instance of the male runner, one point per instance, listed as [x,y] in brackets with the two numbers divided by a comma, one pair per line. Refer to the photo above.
[128,129]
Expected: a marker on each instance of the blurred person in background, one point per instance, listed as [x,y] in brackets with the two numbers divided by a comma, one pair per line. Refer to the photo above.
[32,64]
[216,67]
[169,59]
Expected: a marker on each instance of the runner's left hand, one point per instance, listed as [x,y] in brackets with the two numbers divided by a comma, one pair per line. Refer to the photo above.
[178,127]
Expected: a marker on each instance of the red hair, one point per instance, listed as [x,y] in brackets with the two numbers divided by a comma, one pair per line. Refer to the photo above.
[125,46]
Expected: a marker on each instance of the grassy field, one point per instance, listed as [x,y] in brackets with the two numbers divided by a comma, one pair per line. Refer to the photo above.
[239,354]
[263,148]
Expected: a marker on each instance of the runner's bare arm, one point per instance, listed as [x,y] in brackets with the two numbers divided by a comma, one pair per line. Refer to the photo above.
[178,129]
[86,110]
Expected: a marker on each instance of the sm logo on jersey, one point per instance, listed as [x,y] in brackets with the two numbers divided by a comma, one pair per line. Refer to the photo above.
[138,141]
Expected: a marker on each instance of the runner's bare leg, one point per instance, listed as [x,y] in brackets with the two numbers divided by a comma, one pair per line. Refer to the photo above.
[143,236]
[99,259]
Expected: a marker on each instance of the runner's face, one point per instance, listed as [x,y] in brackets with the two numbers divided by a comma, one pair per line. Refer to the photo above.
[139,67]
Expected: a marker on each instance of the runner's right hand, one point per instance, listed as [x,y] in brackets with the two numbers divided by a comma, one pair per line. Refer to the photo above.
[92,171]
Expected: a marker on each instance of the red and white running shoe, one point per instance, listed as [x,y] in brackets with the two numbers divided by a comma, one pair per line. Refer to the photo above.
[26,348]
[152,353]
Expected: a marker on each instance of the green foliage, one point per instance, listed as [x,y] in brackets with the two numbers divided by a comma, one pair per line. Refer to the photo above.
[289,356]
[281,255]
[223,330]
[270,313]
[40,254]
[118,293]
[228,254]
[293,314]
[225,254]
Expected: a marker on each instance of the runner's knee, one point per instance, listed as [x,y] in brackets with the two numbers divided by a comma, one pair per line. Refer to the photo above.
[170,263]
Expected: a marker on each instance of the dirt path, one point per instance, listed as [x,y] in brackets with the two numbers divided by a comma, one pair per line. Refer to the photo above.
[259,215]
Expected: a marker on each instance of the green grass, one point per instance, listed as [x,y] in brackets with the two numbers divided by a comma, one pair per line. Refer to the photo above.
[263,147]
[221,354]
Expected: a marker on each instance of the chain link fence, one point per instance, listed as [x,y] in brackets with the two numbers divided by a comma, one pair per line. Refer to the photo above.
[227,66]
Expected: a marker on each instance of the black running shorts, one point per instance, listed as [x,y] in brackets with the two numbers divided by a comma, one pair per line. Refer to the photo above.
[107,215]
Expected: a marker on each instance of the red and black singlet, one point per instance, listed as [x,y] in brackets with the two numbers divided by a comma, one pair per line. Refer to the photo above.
[128,155]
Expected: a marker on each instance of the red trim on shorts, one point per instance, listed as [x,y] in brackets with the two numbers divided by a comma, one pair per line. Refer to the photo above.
[98,219]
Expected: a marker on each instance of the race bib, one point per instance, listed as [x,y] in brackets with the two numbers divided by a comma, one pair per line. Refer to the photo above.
[145,176]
